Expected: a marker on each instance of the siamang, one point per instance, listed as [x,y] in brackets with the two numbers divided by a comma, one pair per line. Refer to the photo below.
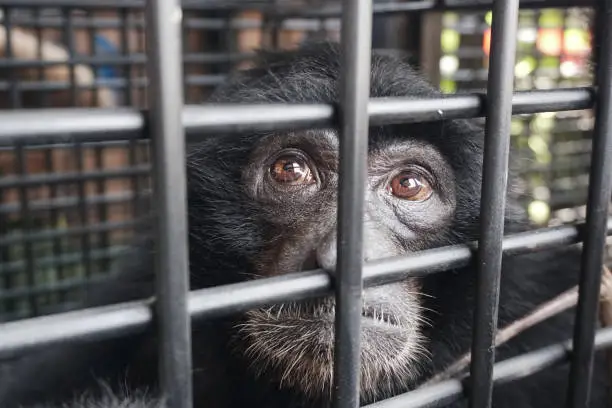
[263,204]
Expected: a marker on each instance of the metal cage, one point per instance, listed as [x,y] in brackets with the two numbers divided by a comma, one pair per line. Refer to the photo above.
[169,122]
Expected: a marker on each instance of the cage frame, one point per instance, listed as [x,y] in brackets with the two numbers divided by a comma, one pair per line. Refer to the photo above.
[169,122]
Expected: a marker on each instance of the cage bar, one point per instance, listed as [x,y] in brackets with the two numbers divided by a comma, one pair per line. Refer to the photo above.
[511,369]
[15,96]
[95,125]
[165,101]
[493,199]
[600,190]
[356,38]
[25,216]
[288,11]
[19,337]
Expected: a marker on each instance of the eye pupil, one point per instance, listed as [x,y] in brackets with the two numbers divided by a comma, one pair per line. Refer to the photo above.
[410,186]
[291,170]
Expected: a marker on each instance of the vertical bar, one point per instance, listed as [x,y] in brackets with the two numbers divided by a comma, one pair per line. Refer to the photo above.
[92,33]
[600,190]
[125,52]
[69,35]
[83,209]
[493,198]
[26,220]
[165,70]
[44,96]
[142,43]
[13,79]
[354,121]
[57,242]
[104,264]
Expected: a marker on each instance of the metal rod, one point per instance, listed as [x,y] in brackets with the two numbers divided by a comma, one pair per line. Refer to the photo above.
[15,95]
[25,217]
[515,368]
[47,126]
[165,100]
[379,7]
[228,299]
[83,210]
[69,38]
[356,48]
[493,199]
[600,190]
[71,201]
[53,179]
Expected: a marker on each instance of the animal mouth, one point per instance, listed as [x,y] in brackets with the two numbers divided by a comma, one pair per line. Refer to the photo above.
[374,314]
[379,316]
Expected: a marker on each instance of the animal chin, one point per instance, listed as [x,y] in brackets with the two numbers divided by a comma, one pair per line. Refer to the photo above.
[296,341]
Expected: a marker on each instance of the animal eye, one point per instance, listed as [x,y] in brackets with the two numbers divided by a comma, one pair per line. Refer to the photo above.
[291,170]
[411,185]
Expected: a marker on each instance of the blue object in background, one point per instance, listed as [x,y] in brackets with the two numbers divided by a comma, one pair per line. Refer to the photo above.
[105,47]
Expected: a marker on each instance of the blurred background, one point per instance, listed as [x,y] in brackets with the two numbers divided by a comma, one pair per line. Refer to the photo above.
[68,210]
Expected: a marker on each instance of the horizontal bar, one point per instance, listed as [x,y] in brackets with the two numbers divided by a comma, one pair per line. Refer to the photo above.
[18,337]
[71,258]
[89,125]
[195,23]
[89,324]
[11,181]
[51,288]
[73,201]
[96,84]
[275,10]
[49,234]
[134,59]
[378,7]
[515,368]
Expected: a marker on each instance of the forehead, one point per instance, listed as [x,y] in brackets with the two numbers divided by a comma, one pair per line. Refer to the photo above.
[393,143]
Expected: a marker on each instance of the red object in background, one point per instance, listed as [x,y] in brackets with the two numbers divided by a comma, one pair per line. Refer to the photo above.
[486,41]
[550,42]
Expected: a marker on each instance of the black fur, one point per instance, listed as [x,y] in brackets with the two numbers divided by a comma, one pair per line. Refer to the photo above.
[229,232]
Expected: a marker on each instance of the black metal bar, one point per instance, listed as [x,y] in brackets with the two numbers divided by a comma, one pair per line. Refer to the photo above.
[15,95]
[52,179]
[46,126]
[600,190]
[228,299]
[353,118]
[125,53]
[165,101]
[493,199]
[69,202]
[514,368]
[56,233]
[102,208]
[94,50]
[52,288]
[69,40]
[83,210]
[44,96]
[26,222]
[18,267]
[114,83]
[57,242]
[331,11]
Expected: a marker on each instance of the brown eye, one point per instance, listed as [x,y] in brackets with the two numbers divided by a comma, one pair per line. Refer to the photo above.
[291,170]
[411,186]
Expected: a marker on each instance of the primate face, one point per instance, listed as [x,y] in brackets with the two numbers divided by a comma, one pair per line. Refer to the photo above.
[410,201]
